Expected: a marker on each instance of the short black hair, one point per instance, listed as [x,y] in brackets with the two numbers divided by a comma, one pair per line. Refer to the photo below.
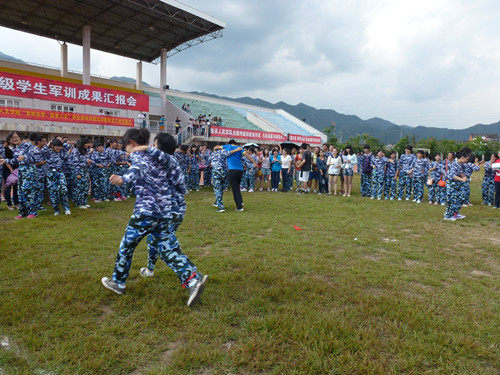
[409,147]
[33,137]
[303,146]
[56,142]
[366,147]
[166,143]
[232,142]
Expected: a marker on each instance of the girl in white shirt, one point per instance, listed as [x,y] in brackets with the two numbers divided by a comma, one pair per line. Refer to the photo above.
[286,169]
[349,160]
[333,163]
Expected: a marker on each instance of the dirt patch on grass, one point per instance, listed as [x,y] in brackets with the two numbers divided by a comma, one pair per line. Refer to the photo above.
[228,345]
[165,358]
[375,291]
[106,310]
[414,263]
[373,257]
[480,273]
[389,240]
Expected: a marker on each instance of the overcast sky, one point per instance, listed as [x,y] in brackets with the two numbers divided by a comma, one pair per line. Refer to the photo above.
[431,62]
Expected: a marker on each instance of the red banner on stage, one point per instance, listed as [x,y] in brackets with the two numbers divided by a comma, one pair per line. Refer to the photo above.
[304,139]
[217,131]
[55,116]
[45,89]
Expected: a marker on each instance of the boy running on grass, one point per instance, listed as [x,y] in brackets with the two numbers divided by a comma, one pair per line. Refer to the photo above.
[159,210]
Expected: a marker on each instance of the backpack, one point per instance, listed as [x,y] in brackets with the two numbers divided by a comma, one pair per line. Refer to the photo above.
[367,166]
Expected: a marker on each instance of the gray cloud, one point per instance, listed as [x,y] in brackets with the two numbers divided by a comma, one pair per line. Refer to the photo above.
[434,62]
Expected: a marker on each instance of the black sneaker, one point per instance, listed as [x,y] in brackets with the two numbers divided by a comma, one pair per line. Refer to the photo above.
[196,290]
[111,285]
[221,210]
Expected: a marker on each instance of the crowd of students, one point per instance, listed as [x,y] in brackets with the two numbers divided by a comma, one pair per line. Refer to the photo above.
[63,170]
[328,170]
[67,171]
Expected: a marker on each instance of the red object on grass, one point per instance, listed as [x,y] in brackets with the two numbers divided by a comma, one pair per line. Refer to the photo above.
[296,227]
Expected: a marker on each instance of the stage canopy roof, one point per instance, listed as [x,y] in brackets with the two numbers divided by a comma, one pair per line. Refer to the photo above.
[137,29]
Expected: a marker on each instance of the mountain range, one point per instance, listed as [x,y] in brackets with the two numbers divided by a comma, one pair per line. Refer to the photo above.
[347,126]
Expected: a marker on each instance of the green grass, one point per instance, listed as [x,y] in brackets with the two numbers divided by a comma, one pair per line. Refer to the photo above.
[412,295]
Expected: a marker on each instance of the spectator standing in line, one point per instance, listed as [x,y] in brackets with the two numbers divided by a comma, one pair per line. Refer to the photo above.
[305,167]
[162,123]
[141,119]
[349,161]
[275,170]
[286,170]
[177,125]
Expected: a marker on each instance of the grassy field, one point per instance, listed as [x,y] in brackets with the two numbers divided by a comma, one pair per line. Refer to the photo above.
[366,287]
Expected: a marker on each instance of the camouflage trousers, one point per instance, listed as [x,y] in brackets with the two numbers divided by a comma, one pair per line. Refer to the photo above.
[248,180]
[390,187]
[221,181]
[378,185]
[366,184]
[58,190]
[453,200]
[80,187]
[162,242]
[418,187]
[99,184]
[437,194]
[405,185]
[488,190]
[194,179]
[27,189]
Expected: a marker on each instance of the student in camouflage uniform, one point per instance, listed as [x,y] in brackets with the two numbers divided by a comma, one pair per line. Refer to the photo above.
[218,159]
[378,163]
[419,172]
[488,185]
[365,162]
[390,179]
[56,180]
[454,176]
[405,165]
[158,212]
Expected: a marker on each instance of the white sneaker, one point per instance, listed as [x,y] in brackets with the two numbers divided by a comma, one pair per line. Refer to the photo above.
[67,212]
[372,197]
[407,199]
[97,201]
[400,199]
[83,207]
[87,205]
[250,191]
[244,189]
[106,200]
[378,199]
[419,202]
[57,213]
[146,273]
